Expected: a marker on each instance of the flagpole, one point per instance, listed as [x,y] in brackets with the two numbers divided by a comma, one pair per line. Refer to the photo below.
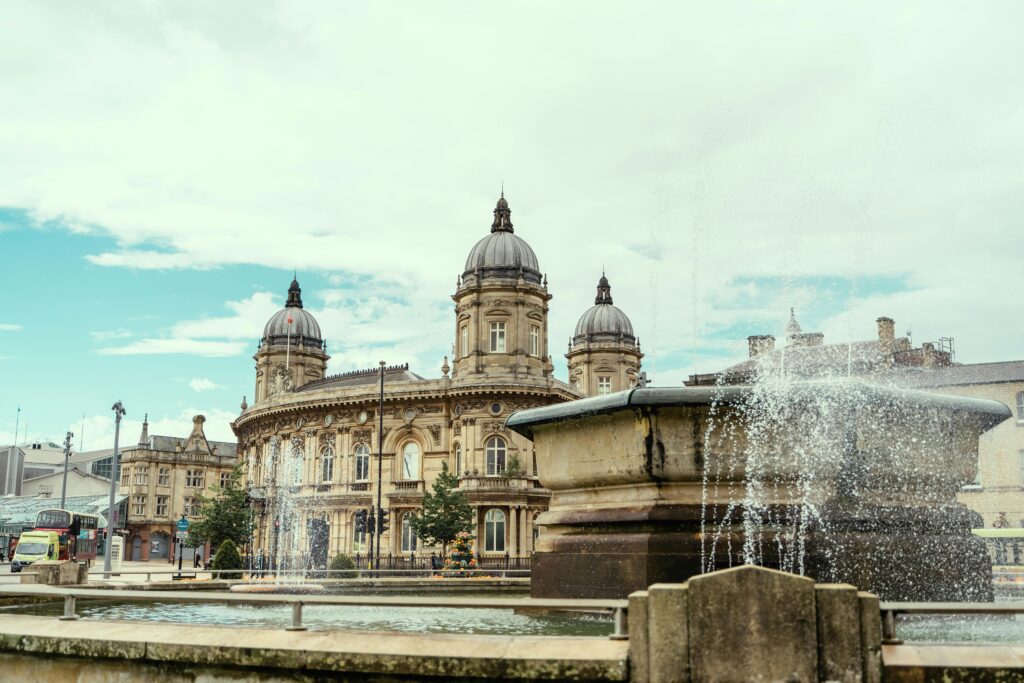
[288,347]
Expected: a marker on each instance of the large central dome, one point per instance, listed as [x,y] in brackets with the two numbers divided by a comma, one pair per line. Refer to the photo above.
[502,253]
[293,324]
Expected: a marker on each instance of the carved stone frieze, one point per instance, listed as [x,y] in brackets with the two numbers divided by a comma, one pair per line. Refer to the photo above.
[361,434]
[435,434]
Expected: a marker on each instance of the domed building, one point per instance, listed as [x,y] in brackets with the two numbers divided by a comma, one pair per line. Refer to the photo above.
[309,440]
[604,354]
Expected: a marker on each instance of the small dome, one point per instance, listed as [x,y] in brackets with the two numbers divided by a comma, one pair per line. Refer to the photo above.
[502,253]
[293,324]
[603,319]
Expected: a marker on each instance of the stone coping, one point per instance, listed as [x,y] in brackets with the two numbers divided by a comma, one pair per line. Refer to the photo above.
[945,662]
[987,412]
[445,657]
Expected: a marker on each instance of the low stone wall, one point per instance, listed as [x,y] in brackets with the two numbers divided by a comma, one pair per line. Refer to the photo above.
[46,649]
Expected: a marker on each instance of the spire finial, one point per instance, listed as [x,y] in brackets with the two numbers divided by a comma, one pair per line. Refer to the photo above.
[604,290]
[502,214]
[294,293]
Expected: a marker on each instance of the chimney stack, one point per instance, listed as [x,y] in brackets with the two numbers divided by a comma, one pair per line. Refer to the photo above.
[887,335]
[760,343]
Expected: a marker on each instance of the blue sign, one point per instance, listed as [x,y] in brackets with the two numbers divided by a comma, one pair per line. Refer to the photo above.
[182,524]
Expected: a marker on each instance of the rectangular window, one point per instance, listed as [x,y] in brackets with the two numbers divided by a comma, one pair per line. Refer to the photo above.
[138,505]
[225,479]
[195,478]
[497,337]
[1021,456]
[327,469]
[126,476]
[534,340]
[164,478]
[604,385]
[187,510]
[161,506]
[464,340]
[142,475]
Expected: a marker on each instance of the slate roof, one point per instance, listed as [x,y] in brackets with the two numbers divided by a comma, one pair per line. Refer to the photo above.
[371,376]
[955,375]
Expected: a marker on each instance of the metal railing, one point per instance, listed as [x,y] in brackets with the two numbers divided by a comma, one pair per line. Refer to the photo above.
[322,574]
[617,608]
[891,610]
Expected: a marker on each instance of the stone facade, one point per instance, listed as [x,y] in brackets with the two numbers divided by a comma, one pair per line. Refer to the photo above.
[163,478]
[310,442]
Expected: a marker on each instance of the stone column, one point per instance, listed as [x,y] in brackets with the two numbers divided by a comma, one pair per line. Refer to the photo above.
[514,530]
[528,536]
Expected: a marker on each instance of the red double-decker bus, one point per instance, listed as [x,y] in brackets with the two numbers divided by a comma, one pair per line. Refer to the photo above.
[78,532]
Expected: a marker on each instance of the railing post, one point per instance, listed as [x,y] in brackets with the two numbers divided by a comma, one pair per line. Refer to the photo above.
[889,628]
[69,609]
[296,618]
[621,631]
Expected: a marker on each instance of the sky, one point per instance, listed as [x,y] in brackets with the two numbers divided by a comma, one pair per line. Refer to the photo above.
[167,167]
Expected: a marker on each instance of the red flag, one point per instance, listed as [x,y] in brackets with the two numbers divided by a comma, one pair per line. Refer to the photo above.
[290,321]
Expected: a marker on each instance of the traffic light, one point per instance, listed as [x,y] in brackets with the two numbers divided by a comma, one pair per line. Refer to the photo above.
[371,522]
[361,522]
[384,521]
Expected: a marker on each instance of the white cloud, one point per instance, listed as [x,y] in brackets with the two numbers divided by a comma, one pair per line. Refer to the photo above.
[107,335]
[10,327]
[191,347]
[202,384]
[689,148]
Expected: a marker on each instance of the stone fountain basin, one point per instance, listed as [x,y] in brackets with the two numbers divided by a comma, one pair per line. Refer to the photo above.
[641,480]
[879,438]
[275,588]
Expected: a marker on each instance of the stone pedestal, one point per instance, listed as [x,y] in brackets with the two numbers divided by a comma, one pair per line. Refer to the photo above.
[55,573]
[753,624]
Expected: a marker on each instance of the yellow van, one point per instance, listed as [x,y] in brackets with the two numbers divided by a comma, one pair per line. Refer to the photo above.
[34,546]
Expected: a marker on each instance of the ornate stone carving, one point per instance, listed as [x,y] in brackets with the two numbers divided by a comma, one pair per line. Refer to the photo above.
[457,427]
[435,434]
[361,435]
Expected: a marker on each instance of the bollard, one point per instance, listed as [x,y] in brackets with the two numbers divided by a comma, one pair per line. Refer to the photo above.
[889,628]
[621,631]
[296,618]
[69,609]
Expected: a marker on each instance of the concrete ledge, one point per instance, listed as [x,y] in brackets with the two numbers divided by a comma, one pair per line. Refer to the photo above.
[949,663]
[297,655]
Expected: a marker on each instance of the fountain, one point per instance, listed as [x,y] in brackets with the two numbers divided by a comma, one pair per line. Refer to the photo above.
[839,480]
[289,573]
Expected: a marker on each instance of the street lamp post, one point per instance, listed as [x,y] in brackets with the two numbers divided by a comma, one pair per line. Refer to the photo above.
[67,457]
[380,466]
[119,412]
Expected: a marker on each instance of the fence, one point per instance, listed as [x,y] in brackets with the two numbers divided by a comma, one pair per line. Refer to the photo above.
[266,563]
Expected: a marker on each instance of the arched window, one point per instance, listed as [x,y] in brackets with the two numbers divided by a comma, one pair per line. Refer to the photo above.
[496,452]
[1020,405]
[358,538]
[295,462]
[327,464]
[494,531]
[362,462]
[411,461]
[408,535]
[458,460]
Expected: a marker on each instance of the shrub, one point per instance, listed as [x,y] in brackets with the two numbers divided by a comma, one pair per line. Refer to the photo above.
[341,562]
[227,557]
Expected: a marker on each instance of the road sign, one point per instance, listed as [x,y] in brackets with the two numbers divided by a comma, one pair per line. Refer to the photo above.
[183,524]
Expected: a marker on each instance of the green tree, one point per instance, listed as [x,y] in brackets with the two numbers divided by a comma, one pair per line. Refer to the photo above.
[227,557]
[224,516]
[446,512]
